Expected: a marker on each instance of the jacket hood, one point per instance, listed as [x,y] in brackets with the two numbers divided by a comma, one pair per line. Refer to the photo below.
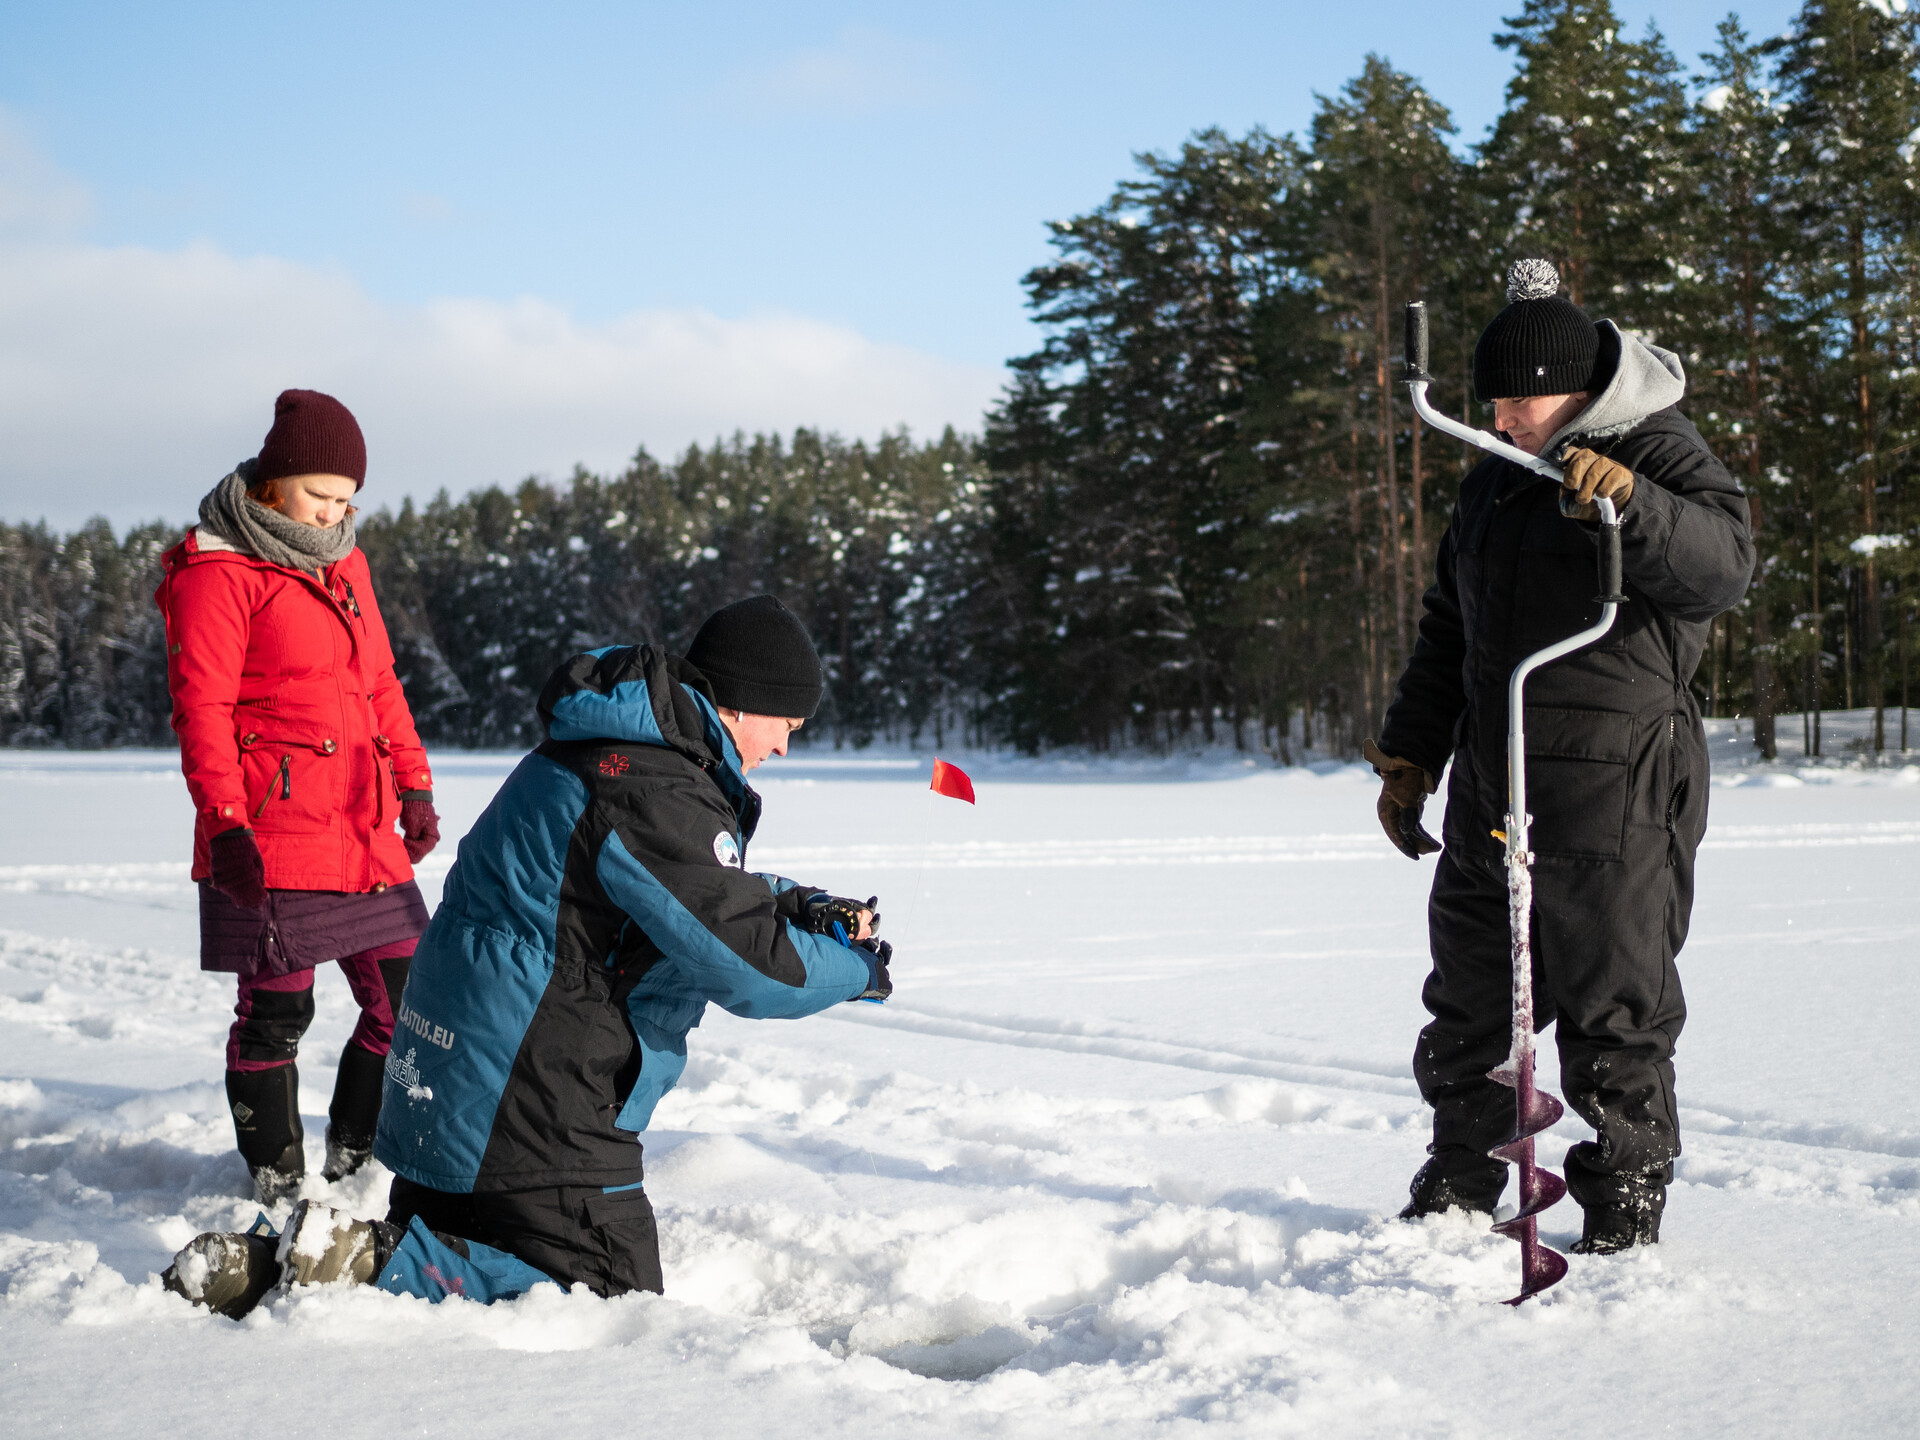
[205,542]
[198,544]
[1644,379]
[636,695]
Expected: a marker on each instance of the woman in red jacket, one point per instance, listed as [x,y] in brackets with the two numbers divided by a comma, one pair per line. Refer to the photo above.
[300,755]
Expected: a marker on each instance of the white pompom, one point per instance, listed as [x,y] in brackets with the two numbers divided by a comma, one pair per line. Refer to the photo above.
[1532,280]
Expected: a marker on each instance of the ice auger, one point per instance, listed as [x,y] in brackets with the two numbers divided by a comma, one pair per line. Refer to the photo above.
[1534,1109]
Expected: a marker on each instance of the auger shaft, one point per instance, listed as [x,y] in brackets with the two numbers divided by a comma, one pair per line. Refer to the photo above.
[1534,1110]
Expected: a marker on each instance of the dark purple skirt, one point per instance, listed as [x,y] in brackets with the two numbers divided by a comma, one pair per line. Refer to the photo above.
[299,929]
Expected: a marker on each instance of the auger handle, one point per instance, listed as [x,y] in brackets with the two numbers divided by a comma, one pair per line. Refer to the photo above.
[1417,341]
[1610,579]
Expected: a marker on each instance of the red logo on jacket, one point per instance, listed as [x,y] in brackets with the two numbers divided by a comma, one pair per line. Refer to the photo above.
[613,765]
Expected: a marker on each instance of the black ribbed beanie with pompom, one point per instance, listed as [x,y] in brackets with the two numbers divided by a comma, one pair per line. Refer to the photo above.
[1541,344]
[759,659]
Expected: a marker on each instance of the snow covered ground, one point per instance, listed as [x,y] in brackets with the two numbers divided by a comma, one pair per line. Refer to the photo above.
[1120,1156]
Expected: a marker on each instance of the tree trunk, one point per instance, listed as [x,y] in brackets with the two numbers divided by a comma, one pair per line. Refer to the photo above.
[1870,646]
[1390,538]
[1762,637]
[1762,647]
[1819,636]
[1713,672]
[1846,643]
[1763,739]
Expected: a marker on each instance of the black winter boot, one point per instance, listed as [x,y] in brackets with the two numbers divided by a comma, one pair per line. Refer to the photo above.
[344,1157]
[1609,1229]
[1456,1179]
[1623,1208]
[354,1112]
[266,1124]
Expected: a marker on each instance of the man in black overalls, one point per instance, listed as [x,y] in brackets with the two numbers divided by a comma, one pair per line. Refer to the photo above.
[1616,757]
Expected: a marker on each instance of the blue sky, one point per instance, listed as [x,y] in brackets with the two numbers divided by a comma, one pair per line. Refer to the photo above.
[666,220]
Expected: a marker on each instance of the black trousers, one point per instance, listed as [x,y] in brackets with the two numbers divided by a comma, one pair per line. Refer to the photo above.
[576,1234]
[1605,934]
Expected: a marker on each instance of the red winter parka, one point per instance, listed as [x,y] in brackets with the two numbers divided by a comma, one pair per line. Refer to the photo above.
[289,715]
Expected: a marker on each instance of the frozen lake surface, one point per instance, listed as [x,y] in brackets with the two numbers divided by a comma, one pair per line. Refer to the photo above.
[1120,1156]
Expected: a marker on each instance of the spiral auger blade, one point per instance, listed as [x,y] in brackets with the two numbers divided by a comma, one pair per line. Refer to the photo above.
[1534,1111]
[1541,1266]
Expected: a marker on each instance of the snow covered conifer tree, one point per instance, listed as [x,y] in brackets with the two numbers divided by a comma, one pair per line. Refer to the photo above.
[1155,307]
[1585,162]
[1386,194]
[1730,264]
[82,651]
[1847,74]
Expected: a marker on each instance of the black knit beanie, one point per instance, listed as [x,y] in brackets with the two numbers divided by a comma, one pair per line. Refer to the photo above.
[1541,344]
[760,659]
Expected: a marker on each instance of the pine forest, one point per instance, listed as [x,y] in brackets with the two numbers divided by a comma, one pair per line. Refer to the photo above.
[1201,511]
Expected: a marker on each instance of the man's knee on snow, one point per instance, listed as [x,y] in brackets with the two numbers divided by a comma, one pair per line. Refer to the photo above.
[438,1267]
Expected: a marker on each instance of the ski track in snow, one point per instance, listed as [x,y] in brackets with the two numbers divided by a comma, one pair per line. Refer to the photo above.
[917,1229]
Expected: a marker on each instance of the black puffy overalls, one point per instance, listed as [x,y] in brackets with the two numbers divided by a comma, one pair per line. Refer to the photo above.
[1617,785]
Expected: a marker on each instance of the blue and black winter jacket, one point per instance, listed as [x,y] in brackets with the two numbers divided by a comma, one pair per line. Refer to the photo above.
[596,908]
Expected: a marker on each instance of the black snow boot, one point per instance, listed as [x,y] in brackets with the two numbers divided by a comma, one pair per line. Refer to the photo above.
[1456,1179]
[354,1112]
[1609,1229]
[1623,1208]
[345,1155]
[266,1124]
[227,1273]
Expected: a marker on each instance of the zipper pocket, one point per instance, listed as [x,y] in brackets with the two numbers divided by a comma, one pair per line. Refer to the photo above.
[253,740]
[284,776]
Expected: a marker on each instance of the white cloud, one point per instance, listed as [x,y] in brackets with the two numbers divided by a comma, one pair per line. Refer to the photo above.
[36,199]
[132,378]
[860,71]
[425,208]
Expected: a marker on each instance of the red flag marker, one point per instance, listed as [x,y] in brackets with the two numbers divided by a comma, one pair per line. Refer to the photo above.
[952,781]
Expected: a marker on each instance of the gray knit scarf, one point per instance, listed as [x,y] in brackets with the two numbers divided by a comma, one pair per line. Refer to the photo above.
[246,524]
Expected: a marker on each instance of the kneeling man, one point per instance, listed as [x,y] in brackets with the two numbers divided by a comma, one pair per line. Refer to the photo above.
[596,908]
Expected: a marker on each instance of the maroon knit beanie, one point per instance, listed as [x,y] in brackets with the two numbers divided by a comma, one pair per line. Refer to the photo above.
[312,434]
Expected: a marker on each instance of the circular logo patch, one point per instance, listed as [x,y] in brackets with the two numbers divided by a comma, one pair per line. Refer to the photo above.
[725,851]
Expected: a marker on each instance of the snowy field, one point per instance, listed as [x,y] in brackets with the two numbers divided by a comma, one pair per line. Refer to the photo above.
[1121,1156]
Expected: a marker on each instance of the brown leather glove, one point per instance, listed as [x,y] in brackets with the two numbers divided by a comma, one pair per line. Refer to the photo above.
[1589,473]
[1402,798]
